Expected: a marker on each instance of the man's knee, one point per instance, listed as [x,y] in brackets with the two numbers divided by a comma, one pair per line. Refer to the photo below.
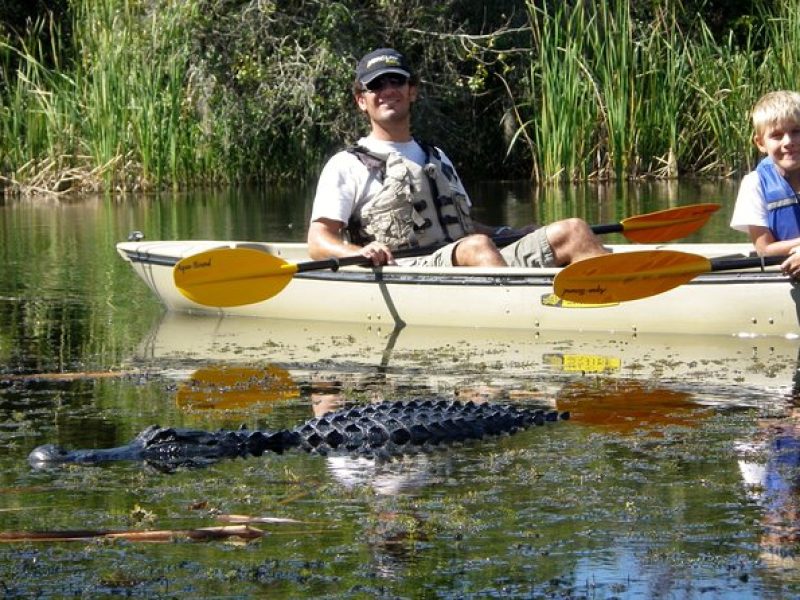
[569,229]
[478,242]
[477,250]
[578,226]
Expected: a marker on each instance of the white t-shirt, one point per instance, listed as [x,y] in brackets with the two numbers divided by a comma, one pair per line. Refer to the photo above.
[751,207]
[346,184]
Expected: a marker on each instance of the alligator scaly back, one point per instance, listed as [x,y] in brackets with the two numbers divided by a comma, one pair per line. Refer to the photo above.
[399,427]
[384,429]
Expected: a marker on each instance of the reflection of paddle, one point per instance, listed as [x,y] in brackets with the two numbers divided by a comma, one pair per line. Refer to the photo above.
[582,363]
[626,406]
[634,275]
[237,276]
[225,388]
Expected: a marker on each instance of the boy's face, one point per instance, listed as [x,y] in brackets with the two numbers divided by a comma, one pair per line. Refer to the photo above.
[781,143]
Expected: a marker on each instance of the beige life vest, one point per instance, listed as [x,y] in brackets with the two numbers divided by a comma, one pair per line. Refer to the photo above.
[417,206]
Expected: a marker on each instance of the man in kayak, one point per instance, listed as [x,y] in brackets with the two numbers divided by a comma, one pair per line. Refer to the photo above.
[391,191]
[767,206]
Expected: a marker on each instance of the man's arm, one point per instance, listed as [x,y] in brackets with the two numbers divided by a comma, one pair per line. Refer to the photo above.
[325,240]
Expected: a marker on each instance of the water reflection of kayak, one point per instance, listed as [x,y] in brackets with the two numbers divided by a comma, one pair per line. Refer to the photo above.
[439,357]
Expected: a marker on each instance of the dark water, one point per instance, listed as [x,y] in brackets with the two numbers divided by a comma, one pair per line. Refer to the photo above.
[677,476]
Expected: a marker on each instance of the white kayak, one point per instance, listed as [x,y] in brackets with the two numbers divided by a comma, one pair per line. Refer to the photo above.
[752,301]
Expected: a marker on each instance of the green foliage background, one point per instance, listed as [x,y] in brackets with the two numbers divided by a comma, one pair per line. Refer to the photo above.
[137,94]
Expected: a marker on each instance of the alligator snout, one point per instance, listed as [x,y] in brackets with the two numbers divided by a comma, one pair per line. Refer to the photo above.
[48,454]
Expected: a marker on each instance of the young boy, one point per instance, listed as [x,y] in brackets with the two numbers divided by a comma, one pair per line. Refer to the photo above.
[768,204]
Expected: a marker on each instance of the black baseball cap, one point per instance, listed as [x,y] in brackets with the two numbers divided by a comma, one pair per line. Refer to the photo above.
[380,62]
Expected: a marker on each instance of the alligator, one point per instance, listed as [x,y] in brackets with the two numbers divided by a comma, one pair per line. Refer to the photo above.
[381,430]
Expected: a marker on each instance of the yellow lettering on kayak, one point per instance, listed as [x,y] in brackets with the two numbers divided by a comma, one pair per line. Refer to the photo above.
[556,302]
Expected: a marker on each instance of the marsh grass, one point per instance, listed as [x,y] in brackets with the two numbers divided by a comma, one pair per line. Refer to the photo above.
[558,80]
[116,117]
[613,97]
[133,99]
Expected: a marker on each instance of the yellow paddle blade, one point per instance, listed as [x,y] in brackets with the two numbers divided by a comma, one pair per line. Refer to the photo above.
[228,388]
[666,225]
[232,276]
[627,275]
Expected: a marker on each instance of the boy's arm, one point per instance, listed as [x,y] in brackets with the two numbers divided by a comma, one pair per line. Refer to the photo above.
[766,244]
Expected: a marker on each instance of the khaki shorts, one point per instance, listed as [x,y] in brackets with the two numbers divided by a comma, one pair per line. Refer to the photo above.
[533,250]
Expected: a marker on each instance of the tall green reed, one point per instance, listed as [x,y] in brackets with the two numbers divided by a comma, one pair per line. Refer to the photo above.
[121,111]
[599,76]
[34,115]
[781,64]
[661,95]
[561,97]
[726,80]
[612,60]
[729,77]
[132,75]
[655,100]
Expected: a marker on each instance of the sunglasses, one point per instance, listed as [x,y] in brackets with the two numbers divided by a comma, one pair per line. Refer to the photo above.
[380,83]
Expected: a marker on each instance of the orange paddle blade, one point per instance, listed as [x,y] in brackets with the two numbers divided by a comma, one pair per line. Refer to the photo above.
[627,275]
[232,276]
[666,225]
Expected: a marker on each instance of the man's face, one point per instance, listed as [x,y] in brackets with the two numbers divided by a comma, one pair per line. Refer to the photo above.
[781,143]
[388,98]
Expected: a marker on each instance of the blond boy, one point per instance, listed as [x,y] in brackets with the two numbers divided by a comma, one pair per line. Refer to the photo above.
[768,204]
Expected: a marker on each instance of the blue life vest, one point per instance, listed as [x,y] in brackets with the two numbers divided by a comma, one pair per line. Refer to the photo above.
[783,206]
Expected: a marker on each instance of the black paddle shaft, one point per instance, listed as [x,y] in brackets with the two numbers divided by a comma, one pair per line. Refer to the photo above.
[346,261]
[749,262]
[608,228]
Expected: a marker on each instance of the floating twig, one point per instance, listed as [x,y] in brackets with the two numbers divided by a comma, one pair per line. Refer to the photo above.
[202,534]
[250,519]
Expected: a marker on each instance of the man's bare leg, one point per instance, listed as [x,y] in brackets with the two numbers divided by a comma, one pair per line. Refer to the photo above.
[573,240]
[477,250]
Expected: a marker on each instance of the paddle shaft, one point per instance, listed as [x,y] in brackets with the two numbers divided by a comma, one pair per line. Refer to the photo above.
[750,262]
[608,228]
[357,259]
[691,217]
